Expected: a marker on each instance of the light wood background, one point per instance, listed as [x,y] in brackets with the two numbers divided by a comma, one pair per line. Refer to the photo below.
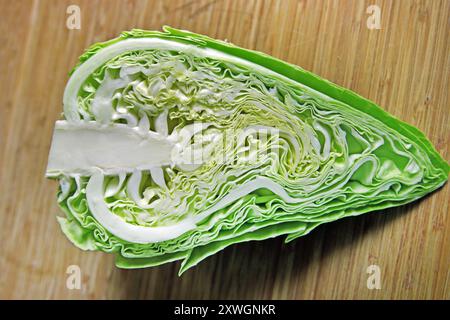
[404,67]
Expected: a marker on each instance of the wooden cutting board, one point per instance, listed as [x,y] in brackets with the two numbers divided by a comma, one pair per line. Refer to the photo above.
[404,67]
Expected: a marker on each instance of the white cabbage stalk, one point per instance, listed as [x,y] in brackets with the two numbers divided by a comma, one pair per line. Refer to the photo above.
[174,146]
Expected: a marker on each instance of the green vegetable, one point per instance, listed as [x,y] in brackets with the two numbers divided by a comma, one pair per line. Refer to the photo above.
[174,146]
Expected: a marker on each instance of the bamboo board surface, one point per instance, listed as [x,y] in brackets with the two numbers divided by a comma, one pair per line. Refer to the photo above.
[404,67]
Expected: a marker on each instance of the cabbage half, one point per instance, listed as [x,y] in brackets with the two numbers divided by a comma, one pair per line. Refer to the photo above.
[175,145]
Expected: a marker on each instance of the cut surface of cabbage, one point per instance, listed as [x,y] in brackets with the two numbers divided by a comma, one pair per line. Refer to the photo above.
[175,145]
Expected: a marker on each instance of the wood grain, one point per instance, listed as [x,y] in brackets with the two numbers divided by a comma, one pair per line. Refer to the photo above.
[404,67]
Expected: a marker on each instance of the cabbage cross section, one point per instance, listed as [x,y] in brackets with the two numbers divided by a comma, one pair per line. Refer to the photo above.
[174,146]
